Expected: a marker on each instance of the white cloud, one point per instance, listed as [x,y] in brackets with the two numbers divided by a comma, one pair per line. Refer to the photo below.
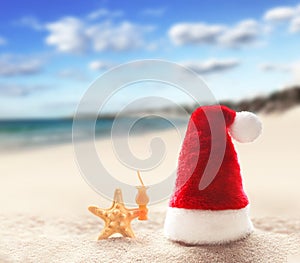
[212,65]
[72,35]
[292,68]
[99,65]
[103,12]
[73,74]
[32,22]
[16,66]
[14,90]
[3,41]
[269,67]
[290,14]
[195,33]
[279,14]
[68,35]
[295,70]
[153,46]
[156,12]
[295,25]
[122,37]
[244,33]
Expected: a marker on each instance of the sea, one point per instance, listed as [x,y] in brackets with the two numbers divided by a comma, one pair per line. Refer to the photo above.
[28,133]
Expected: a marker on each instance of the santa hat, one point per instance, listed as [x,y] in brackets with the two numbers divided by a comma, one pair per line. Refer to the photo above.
[209,205]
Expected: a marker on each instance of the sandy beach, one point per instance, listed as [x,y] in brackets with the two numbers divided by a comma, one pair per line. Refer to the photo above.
[44,202]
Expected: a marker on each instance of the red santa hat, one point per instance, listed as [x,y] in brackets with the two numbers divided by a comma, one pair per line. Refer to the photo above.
[209,205]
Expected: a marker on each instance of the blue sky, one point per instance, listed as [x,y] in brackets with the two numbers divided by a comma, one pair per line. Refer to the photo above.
[51,51]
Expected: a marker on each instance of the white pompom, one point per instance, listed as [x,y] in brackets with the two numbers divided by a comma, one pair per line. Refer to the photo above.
[246,127]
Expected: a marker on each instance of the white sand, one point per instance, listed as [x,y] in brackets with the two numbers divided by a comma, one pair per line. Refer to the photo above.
[44,201]
[34,239]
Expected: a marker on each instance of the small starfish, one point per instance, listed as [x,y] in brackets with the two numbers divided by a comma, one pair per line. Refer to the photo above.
[117,218]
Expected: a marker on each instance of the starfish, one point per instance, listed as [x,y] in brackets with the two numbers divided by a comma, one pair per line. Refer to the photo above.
[117,218]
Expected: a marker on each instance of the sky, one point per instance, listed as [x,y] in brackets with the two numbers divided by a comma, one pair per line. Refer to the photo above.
[51,51]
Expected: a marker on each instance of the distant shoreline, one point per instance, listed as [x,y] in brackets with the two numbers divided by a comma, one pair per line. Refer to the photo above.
[18,134]
[275,102]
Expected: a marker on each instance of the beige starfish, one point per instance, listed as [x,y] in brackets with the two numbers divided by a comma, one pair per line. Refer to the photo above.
[117,218]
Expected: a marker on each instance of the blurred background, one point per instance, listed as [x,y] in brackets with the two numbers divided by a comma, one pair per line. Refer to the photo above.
[51,51]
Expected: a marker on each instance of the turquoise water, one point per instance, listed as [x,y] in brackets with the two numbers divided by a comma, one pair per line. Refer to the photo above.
[16,134]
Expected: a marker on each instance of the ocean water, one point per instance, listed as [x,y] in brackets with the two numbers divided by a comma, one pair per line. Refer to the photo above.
[22,134]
